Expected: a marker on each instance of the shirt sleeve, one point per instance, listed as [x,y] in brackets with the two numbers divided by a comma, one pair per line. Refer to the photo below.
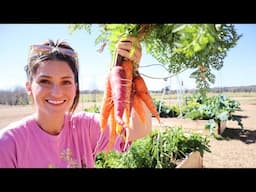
[7,151]
[99,140]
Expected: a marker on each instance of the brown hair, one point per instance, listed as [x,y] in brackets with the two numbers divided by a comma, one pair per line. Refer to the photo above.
[36,57]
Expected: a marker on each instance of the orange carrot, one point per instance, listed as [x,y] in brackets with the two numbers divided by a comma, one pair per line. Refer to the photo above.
[106,106]
[112,131]
[142,91]
[128,69]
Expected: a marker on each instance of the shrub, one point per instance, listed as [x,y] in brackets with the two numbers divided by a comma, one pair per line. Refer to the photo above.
[160,149]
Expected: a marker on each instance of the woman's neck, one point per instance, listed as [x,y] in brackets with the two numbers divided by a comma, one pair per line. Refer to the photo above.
[51,124]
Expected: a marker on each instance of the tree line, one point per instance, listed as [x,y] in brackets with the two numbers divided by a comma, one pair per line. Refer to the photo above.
[250,88]
[18,95]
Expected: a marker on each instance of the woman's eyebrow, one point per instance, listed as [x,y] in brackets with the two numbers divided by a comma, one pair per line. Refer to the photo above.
[49,77]
[67,77]
[44,76]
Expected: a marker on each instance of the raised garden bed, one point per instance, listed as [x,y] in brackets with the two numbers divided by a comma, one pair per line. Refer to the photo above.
[169,148]
[221,127]
[193,160]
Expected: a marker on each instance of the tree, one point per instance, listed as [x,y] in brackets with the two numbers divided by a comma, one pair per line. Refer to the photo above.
[201,47]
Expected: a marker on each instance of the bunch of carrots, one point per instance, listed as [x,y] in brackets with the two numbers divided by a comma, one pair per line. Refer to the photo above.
[125,89]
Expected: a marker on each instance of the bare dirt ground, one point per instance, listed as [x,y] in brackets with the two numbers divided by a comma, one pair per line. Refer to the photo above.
[238,150]
[10,114]
[235,150]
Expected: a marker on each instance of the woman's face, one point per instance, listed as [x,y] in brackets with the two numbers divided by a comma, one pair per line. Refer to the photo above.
[53,88]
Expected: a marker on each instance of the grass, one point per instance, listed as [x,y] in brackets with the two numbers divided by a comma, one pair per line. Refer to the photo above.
[168,98]
[91,97]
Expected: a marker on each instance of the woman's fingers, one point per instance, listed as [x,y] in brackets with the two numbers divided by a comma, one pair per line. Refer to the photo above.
[130,48]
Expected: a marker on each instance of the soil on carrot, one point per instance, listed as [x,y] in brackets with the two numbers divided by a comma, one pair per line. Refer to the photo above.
[234,148]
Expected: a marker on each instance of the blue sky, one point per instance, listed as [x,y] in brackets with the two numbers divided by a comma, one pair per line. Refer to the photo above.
[239,66]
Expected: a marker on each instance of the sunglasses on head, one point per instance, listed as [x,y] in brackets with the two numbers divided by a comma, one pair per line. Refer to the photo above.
[46,49]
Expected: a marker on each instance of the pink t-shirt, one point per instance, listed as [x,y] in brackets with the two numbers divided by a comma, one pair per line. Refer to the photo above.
[24,145]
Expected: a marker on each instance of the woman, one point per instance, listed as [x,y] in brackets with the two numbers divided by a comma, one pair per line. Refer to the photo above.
[56,136]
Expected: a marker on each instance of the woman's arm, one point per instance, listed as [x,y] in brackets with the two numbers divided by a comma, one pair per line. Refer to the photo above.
[137,128]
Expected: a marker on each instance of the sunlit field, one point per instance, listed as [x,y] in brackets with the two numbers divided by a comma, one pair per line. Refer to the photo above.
[222,155]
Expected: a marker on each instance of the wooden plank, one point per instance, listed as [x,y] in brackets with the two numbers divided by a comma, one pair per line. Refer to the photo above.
[193,160]
[221,127]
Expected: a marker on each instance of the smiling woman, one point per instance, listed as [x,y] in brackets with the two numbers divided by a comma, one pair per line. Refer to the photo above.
[54,135]
[49,52]
[53,90]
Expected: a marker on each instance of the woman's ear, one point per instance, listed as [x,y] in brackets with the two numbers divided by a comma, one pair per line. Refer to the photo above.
[28,88]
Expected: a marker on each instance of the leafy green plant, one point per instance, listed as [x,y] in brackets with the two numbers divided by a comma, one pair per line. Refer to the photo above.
[160,149]
[166,111]
[215,109]
[201,47]
[94,108]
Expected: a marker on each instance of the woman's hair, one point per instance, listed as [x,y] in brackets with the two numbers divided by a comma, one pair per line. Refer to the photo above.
[60,51]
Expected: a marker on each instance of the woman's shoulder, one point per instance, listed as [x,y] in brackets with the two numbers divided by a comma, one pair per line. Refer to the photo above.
[84,119]
[84,116]
[19,125]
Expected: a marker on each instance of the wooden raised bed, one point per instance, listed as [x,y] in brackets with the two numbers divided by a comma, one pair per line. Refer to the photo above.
[193,160]
[221,127]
